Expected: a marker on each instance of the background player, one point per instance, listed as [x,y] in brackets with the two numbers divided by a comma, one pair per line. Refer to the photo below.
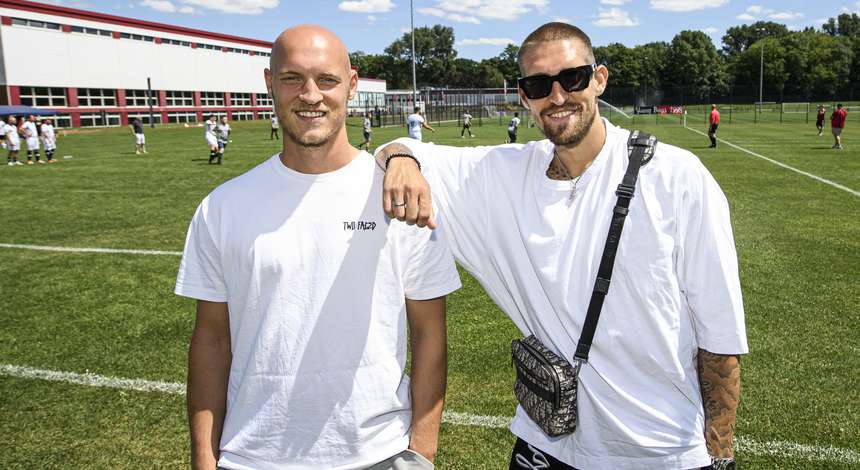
[414,123]
[837,123]
[139,138]
[209,129]
[467,125]
[31,136]
[222,131]
[49,140]
[819,119]
[274,134]
[512,128]
[714,121]
[366,130]
[13,141]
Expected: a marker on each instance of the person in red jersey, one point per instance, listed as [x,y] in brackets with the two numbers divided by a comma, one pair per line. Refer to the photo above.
[714,121]
[837,123]
[819,119]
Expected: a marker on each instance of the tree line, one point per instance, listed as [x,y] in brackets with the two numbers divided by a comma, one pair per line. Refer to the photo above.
[806,63]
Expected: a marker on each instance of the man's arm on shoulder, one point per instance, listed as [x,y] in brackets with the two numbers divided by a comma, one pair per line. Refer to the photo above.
[209,360]
[720,382]
[429,372]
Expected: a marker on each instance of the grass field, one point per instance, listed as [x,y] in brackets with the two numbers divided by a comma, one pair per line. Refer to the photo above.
[114,314]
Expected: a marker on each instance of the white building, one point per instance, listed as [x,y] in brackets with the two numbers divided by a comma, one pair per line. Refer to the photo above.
[94,68]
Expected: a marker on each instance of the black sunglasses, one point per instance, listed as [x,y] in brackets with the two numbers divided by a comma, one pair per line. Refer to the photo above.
[536,87]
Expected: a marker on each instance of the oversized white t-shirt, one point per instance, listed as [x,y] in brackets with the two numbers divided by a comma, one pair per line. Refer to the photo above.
[11,133]
[413,123]
[315,276]
[674,289]
[512,126]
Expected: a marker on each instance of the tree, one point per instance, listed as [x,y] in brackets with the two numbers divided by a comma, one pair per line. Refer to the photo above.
[693,63]
[434,53]
[844,25]
[739,38]
[625,69]
[745,68]
[653,58]
[508,65]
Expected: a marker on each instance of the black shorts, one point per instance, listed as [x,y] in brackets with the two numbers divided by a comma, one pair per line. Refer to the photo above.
[819,123]
[713,129]
[526,456]
[466,125]
[222,145]
[512,136]
[366,135]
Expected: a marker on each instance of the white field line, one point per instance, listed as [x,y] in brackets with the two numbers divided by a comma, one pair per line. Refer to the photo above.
[91,250]
[783,165]
[781,449]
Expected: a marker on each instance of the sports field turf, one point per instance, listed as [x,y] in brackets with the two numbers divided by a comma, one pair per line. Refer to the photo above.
[114,314]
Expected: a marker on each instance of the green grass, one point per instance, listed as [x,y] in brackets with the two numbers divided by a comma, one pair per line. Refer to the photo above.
[798,242]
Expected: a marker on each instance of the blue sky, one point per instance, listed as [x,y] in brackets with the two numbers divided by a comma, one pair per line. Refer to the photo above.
[482,27]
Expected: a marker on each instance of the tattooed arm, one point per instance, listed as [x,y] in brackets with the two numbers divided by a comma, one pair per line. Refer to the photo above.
[720,381]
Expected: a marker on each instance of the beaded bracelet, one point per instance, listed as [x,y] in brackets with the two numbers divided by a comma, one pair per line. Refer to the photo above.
[402,154]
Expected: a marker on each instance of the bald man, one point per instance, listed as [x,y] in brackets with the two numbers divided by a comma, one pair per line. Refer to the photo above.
[304,289]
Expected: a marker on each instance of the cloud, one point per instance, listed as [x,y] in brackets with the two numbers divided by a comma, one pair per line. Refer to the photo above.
[755,9]
[614,17]
[711,30]
[785,15]
[240,7]
[187,10]
[561,19]
[472,11]
[486,42]
[163,6]
[440,13]
[366,6]
[613,2]
[745,17]
[686,5]
[371,18]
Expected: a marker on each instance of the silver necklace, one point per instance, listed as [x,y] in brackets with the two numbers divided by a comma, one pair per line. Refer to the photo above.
[573,181]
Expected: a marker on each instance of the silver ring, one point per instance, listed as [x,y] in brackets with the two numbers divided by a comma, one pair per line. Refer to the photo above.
[398,205]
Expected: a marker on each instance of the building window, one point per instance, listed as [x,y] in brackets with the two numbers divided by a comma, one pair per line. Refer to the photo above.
[136,37]
[265,115]
[137,98]
[96,97]
[180,98]
[208,46]
[99,120]
[181,117]
[175,42]
[240,99]
[43,96]
[35,24]
[211,98]
[243,116]
[264,100]
[144,117]
[93,31]
[61,121]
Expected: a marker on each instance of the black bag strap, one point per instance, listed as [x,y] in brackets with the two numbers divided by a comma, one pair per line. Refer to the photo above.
[641,147]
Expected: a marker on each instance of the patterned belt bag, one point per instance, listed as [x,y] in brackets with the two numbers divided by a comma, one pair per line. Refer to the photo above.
[546,383]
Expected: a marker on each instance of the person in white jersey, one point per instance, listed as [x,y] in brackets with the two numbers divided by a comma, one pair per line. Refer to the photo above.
[660,389]
[415,122]
[31,137]
[222,132]
[274,134]
[467,125]
[304,290]
[210,128]
[49,139]
[512,128]
[366,131]
[13,140]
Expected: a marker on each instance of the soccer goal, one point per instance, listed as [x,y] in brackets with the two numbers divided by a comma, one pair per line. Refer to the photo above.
[795,108]
[609,110]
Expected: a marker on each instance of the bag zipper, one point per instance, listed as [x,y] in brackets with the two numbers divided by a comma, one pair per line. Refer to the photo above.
[553,373]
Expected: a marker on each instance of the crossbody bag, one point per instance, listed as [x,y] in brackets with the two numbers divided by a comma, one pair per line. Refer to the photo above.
[546,383]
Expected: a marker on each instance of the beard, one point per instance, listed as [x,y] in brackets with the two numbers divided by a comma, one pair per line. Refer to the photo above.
[314,139]
[571,133]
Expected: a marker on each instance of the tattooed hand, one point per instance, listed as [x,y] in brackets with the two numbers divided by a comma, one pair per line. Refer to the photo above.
[720,381]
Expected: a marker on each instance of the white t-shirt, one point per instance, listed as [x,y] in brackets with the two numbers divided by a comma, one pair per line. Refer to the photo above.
[48,133]
[223,132]
[467,119]
[413,123]
[29,129]
[274,122]
[674,289]
[209,128]
[11,133]
[366,125]
[315,276]
[515,122]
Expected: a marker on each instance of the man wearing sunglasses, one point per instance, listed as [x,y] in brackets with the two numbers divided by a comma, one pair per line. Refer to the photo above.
[660,389]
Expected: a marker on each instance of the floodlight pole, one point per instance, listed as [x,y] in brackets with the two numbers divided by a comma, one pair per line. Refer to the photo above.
[761,72]
[414,81]
[149,101]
